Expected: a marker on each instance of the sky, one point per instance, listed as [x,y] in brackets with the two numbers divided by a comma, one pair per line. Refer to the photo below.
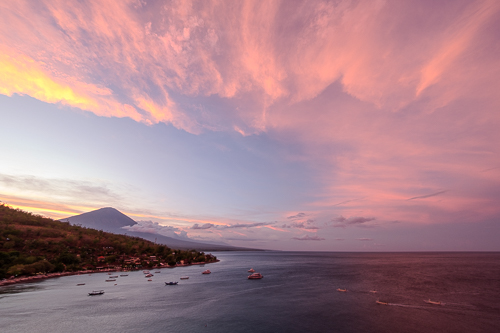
[283,125]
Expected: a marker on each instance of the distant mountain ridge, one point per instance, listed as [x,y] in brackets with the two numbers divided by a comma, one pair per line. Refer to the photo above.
[112,220]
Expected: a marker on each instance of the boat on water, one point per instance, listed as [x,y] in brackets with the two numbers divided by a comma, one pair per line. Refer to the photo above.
[145,272]
[206,272]
[382,303]
[342,290]
[150,280]
[184,277]
[149,275]
[432,302]
[96,292]
[255,276]
[123,274]
[80,284]
[373,291]
[251,270]
[171,283]
[157,272]
[110,280]
[114,276]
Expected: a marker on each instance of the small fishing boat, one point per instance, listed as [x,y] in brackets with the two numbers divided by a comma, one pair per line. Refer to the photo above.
[342,290]
[251,270]
[110,280]
[80,284]
[432,302]
[373,291]
[96,292]
[123,274]
[184,277]
[114,276]
[150,280]
[255,276]
[145,272]
[149,275]
[157,272]
[171,283]
[382,303]
[206,272]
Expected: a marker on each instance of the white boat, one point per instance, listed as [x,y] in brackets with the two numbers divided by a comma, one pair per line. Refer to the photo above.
[96,292]
[382,303]
[184,277]
[251,270]
[149,275]
[206,272]
[432,302]
[342,290]
[255,276]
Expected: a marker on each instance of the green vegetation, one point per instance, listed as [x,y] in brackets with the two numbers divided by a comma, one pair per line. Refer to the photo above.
[32,244]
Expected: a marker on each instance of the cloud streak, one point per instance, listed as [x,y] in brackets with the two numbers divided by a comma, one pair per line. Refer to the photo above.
[308,238]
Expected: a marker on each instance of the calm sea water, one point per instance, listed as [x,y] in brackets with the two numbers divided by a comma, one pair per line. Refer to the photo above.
[298,294]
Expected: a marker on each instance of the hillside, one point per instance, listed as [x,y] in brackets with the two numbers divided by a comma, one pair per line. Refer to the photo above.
[31,244]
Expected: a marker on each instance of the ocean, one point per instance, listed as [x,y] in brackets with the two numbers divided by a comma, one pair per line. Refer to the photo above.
[297,294]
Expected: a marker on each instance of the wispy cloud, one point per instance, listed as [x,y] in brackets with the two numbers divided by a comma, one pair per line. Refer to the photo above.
[428,195]
[308,238]
[342,222]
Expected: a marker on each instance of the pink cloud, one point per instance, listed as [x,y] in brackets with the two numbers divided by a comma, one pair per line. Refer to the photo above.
[386,101]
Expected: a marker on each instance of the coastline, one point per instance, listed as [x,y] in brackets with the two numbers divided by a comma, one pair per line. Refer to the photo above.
[34,278]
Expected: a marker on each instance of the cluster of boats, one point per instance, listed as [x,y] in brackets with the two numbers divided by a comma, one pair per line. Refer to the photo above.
[253,276]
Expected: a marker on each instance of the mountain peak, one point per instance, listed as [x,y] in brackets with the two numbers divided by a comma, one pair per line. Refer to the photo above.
[107,218]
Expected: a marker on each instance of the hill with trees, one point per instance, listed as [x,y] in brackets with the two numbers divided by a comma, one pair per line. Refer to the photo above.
[31,244]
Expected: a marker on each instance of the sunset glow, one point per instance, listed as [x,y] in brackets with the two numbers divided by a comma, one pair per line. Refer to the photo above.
[277,124]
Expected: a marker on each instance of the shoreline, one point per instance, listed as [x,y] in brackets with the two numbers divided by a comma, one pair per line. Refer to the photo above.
[35,278]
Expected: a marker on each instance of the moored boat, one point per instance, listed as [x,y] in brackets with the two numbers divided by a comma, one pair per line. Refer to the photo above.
[80,284]
[110,280]
[96,292]
[251,270]
[171,283]
[123,274]
[149,275]
[206,272]
[255,276]
[184,277]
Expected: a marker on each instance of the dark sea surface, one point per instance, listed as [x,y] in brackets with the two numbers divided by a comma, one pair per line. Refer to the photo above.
[297,294]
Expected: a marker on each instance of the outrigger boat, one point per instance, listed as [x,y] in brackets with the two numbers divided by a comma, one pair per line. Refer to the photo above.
[432,302]
[96,292]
